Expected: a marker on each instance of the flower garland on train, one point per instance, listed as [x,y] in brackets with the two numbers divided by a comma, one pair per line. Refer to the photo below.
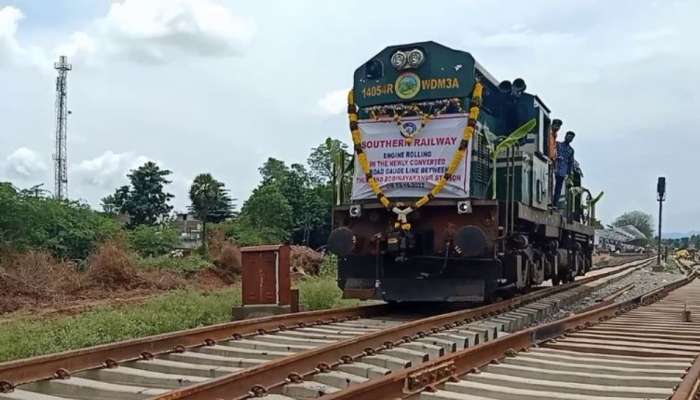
[399,209]
[398,111]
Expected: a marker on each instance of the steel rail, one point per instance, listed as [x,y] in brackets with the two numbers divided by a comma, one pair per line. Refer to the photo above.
[258,380]
[28,370]
[689,387]
[408,382]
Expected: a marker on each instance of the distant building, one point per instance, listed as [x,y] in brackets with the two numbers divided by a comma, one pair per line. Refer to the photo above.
[616,239]
[190,230]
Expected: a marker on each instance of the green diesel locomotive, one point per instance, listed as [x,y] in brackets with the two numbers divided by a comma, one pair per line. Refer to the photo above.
[451,195]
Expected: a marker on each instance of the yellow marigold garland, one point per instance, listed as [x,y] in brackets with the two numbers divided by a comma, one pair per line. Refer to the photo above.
[399,111]
[454,164]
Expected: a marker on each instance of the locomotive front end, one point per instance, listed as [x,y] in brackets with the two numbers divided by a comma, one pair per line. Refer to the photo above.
[419,226]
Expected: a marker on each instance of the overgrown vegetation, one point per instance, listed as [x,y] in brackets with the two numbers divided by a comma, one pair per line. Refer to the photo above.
[185,265]
[67,229]
[61,254]
[293,202]
[321,291]
[176,310]
[153,241]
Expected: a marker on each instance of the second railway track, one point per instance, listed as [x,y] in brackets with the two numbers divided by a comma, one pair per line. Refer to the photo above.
[618,351]
[330,350]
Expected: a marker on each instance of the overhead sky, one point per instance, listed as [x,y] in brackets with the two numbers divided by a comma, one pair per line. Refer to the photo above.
[219,86]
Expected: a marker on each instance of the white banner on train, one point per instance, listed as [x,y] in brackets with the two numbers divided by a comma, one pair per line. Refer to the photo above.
[412,170]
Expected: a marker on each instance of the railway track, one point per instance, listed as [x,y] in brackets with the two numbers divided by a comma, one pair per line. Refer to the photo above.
[256,357]
[619,351]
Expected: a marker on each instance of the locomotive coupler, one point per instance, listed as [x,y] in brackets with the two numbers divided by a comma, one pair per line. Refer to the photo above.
[399,242]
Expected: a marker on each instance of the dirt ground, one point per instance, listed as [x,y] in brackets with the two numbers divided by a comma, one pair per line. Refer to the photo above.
[606,260]
[34,283]
[158,282]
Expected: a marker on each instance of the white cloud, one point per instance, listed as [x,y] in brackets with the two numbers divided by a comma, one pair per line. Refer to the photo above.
[109,169]
[79,43]
[9,21]
[12,52]
[24,163]
[521,37]
[159,31]
[334,102]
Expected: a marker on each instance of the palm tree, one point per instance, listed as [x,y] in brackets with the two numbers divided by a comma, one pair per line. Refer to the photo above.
[210,202]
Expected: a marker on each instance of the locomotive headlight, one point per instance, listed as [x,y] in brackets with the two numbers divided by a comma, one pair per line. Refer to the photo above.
[398,60]
[355,211]
[464,207]
[415,58]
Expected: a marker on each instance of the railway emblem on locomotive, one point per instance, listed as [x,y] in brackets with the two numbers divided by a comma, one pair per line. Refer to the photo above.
[408,129]
[407,85]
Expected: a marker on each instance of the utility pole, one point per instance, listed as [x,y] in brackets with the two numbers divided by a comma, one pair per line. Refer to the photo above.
[60,157]
[660,196]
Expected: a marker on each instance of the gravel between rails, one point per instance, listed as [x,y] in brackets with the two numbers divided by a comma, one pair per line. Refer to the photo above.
[644,280]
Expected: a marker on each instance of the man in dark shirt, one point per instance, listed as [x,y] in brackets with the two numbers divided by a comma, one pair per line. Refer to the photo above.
[564,165]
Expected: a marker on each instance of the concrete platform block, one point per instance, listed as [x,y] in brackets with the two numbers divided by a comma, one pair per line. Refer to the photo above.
[235,352]
[258,310]
[80,388]
[308,390]
[386,361]
[213,359]
[140,377]
[339,379]
[18,394]
[416,357]
[178,367]
[433,351]
[364,369]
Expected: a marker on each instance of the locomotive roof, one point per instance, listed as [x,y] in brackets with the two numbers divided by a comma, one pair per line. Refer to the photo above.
[443,73]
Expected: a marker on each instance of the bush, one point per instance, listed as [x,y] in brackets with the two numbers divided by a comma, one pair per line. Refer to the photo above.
[329,266]
[229,258]
[67,229]
[246,233]
[184,265]
[317,293]
[35,276]
[112,267]
[150,241]
[320,292]
[305,260]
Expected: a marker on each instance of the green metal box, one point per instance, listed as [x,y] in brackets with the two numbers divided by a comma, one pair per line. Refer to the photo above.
[529,179]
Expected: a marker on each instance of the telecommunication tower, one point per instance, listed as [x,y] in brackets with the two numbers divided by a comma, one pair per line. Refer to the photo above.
[60,157]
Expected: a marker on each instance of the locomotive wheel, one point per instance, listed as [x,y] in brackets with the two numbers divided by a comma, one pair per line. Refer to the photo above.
[567,275]
[580,264]
[587,264]
[556,280]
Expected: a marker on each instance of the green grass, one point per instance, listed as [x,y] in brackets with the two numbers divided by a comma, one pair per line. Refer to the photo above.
[174,311]
[322,292]
[671,266]
[184,265]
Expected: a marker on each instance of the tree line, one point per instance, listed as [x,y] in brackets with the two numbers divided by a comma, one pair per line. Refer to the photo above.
[291,203]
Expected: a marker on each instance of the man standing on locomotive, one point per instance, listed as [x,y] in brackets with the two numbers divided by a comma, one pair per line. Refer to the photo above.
[552,139]
[552,153]
[564,165]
